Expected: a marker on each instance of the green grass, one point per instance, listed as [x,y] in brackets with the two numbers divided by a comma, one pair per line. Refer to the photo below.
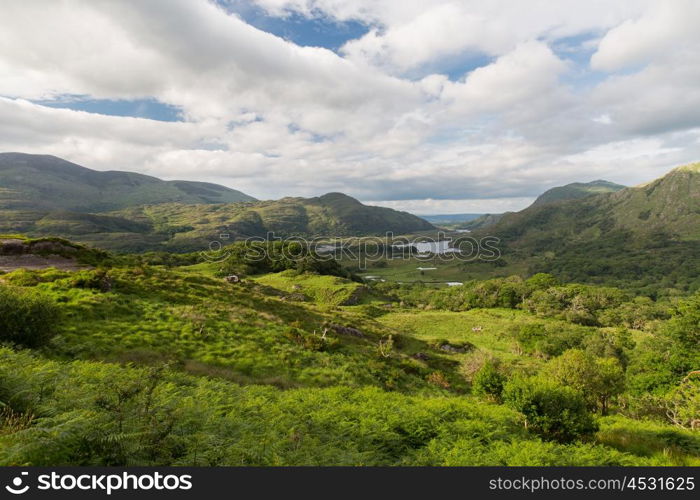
[77,413]
[496,337]
[203,372]
[326,290]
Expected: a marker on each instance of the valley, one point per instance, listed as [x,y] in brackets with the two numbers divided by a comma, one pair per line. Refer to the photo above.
[577,345]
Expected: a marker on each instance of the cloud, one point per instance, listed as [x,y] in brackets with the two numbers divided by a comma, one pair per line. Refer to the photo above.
[378,120]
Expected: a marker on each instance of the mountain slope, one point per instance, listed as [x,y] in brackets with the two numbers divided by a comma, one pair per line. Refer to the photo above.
[638,235]
[670,204]
[450,218]
[191,227]
[576,191]
[43,182]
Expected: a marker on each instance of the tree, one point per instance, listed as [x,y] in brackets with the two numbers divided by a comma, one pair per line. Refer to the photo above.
[553,411]
[599,379]
[606,344]
[608,382]
[683,403]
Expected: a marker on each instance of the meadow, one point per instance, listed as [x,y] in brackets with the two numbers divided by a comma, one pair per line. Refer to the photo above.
[136,362]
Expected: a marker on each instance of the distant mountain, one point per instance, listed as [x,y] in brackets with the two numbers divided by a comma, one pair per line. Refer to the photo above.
[576,191]
[43,182]
[44,195]
[650,231]
[449,218]
[189,227]
[483,221]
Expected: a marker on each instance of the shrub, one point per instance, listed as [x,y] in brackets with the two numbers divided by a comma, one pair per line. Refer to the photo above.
[26,317]
[489,381]
[600,379]
[552,411]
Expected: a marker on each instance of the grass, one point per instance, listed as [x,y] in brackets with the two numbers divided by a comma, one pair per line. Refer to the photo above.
[333,398]
[496,337]
[326,290]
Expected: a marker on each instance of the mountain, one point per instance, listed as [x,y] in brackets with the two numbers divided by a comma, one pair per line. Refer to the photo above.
[670,204]
[577,190]
[650,231]
[574,191]
[450,218]
[191,227]
[483,221]
[44,182]
[45,195]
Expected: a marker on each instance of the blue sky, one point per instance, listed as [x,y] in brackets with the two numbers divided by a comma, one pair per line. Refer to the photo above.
[137,108]
[433,107]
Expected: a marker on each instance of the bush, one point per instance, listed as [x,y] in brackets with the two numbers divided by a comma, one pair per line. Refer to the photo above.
[600,379]
[489,381]
[553,411]
[26,317]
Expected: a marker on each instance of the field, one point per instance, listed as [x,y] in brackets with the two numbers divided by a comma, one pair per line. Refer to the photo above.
[148,364]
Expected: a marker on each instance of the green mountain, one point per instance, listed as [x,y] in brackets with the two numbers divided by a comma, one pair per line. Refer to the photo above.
[450,218]
[576,191]
[189,227]
[637,234]
[44,182]
[44,195]
[481,222]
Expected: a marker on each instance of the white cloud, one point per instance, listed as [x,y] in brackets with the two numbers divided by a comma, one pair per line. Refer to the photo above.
[272,118]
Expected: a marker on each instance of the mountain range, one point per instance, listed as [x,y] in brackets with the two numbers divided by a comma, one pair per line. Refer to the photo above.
[573,191]
[45,195]
[648,233]
[44,182]
[670,204]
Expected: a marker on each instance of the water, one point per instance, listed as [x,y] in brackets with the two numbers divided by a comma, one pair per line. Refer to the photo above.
[434,247]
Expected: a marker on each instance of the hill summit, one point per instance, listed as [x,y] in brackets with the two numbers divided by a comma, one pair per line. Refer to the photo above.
[577,190]
[50,183]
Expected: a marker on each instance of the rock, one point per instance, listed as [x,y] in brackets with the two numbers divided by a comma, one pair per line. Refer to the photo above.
[347,330]
[421,356]
[52,247]
[456,349]
[232,278]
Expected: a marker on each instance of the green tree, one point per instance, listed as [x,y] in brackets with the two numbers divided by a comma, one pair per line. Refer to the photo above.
[553,411]
[599,379]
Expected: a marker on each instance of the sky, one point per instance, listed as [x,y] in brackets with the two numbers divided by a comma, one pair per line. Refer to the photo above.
[426,106]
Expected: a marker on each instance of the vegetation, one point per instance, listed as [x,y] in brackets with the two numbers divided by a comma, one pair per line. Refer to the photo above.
[265,353]
[577,190]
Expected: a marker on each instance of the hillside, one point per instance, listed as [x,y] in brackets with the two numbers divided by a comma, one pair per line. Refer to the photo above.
[132,363]
[649,232]
[43,182]
[670,205]
[485,220]
[576,191]
[189,227]
[448,219]
[44,195]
